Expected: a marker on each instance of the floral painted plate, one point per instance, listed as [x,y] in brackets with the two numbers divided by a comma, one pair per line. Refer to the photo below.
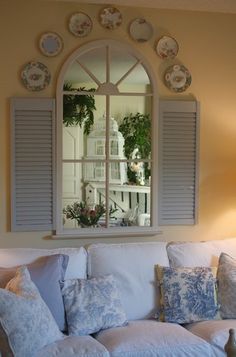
[177,78]
[110,18]
[140,30]
[80,24]
[50,44]
[167,47]
[35,76]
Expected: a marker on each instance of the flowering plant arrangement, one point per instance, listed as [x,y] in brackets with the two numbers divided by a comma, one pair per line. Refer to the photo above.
[84,214]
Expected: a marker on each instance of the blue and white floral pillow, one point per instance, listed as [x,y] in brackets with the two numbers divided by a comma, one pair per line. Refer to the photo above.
[187,294]
[92,305]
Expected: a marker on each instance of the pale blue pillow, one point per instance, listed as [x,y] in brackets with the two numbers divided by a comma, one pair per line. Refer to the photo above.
[25,318]
[92,305]
[45,272]
[187,294]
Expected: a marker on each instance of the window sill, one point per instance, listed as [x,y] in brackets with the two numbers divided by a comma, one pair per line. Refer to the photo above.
[107,233]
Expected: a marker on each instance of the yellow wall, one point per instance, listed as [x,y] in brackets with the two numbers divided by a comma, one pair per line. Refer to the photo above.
[207,47]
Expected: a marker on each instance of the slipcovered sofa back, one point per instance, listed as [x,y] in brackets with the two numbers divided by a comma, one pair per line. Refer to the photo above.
[133,266]
[197,254]
[76,268]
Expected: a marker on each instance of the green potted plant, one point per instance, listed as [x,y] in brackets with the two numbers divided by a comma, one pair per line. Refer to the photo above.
[136,130]
[78,109]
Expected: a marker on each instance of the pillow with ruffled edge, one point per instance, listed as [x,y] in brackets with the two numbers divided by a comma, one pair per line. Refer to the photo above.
[92,305]
[226,276]
[45,272]
[187,294]
[24,316]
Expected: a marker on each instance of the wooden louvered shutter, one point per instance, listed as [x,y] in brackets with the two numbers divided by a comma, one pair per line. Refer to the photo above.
[32,156]
[178,158]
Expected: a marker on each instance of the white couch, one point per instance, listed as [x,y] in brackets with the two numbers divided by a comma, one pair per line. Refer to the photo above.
[132,265]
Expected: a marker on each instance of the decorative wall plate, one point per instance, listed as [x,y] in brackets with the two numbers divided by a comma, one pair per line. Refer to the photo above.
[80,24]
[35,76]
[110,18]
[167,47]
[140,30]
[50,44]
[177,78]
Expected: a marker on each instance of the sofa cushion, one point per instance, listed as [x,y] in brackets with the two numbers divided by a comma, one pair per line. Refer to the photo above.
[24,316]
[148,338]
[74,346]
[76,268]
[133,267]
[226,275]
[188,294]
[45,272]
[92,305]
[215,332]
[196,254]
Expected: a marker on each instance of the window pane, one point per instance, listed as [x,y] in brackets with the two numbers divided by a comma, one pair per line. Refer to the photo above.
[73,147]
[72,178]
[133,116]
[137,81]
[120,64]
[83,199]
[76,77]
[77,142]
[129,204]
[95,62]
[72,189]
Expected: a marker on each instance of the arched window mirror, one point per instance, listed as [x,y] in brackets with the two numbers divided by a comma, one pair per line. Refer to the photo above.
[106,147]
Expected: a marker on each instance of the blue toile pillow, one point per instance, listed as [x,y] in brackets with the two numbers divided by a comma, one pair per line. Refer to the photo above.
[24,316]
[187,294]
[92,305]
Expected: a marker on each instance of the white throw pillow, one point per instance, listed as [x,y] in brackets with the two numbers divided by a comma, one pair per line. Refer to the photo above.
[24,316]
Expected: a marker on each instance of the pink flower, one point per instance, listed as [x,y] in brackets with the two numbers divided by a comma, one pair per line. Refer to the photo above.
[92,213]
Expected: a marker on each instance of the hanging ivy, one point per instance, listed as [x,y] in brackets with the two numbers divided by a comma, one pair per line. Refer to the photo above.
[78,109]
[136,130]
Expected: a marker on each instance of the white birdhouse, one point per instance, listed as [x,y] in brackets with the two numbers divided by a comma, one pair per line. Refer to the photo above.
[96,141]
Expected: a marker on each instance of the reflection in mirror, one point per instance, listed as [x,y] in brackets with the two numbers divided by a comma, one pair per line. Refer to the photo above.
[94,62]
[107,160]
[130,203]
[137,81]
[120,63]
[77,77]
[84,201]
[76,143]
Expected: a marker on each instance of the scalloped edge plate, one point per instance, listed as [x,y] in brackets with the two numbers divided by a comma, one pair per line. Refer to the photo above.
[35,76]
[167,47]
[177,78]
[110,18]
[80,24]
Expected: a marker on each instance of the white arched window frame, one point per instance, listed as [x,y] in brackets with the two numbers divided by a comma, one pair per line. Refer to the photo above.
[108,89]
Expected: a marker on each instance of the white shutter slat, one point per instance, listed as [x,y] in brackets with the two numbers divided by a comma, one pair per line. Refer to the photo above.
[32,163]
[178,156]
